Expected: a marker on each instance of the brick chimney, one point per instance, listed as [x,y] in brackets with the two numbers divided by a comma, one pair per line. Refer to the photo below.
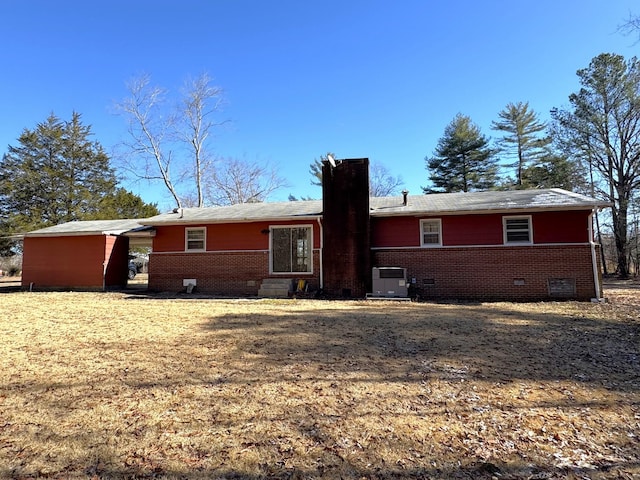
[346,228]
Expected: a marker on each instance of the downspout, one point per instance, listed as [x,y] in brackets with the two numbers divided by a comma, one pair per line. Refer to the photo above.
[320,256]
[594,259]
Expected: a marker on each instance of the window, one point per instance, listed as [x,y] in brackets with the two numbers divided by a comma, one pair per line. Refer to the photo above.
[291,249]
[517,229]
[195,239]
[431,232]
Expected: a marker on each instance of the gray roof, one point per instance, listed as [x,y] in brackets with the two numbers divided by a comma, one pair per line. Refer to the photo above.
[88,227]
[484,202]
[431,204]
[242,212]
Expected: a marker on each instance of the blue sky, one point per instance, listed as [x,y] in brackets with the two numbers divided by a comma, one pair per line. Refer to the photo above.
[377,79]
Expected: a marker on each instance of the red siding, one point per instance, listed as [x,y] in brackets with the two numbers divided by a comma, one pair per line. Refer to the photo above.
[561,227]
[225,237]
[75,262]
[461,230]
[472,230]
[395,232]
[63,262]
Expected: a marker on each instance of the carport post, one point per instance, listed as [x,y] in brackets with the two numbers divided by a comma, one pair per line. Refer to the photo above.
[104,276]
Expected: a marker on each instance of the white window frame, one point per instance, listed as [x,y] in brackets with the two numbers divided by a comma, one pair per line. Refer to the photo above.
[506,240]
[310,240]
[432,221]
[186,239]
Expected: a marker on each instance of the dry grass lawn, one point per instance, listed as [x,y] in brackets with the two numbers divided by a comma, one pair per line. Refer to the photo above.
[118,386]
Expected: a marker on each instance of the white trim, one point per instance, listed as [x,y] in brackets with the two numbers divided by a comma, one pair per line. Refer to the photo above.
[113,233]
[321,253]
[186,240]
[497,245]
[438,221]
[594,260]
[182,252]
[222,221]
[302,225]
[497,211]
[506,218]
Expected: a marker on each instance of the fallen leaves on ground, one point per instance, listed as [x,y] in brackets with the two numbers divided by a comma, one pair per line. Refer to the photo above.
[117,386]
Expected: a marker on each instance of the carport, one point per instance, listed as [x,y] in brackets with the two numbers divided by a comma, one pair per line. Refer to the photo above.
[85,255]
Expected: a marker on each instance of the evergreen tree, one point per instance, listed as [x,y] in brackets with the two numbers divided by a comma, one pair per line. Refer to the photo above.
[555,171]
[124,204]
[462,161]
[55,175]
[315,169]
[603,127]
[522,139]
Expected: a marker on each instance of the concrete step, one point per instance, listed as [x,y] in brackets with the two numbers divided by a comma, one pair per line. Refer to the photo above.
[275,288]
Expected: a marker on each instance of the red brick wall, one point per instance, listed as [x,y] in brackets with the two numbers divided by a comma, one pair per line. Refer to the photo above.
[220,273]
[492,273]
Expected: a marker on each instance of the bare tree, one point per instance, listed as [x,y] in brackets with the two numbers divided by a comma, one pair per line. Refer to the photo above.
[146,155]
[158,130]
[201,101]
[239,181]
[631,26]
[382,183]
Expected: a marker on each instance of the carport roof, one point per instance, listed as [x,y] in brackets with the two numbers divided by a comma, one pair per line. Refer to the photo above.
[89,227]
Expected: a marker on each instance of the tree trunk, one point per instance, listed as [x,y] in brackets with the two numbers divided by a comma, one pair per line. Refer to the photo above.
[620,225]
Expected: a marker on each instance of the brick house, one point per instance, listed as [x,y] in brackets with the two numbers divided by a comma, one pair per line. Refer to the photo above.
[507,245]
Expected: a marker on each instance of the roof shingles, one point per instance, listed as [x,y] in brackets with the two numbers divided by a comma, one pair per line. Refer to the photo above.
[438,203]
[432,204]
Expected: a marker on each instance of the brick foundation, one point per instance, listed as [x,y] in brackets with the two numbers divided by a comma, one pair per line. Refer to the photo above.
[225,273]
[478,273]
[500,273]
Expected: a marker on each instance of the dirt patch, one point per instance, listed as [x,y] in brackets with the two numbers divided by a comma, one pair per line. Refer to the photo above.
[113,386]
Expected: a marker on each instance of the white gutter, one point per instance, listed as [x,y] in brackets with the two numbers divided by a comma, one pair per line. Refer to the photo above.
[204,221]
[321,252]
[400,211]
[594,260]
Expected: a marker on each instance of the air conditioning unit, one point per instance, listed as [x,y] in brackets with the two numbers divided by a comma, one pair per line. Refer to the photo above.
[390,282]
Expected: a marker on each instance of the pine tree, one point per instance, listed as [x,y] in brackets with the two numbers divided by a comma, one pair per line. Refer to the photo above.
[462,161]
[603,128]
[55,175]
[522,138]
[315,168]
